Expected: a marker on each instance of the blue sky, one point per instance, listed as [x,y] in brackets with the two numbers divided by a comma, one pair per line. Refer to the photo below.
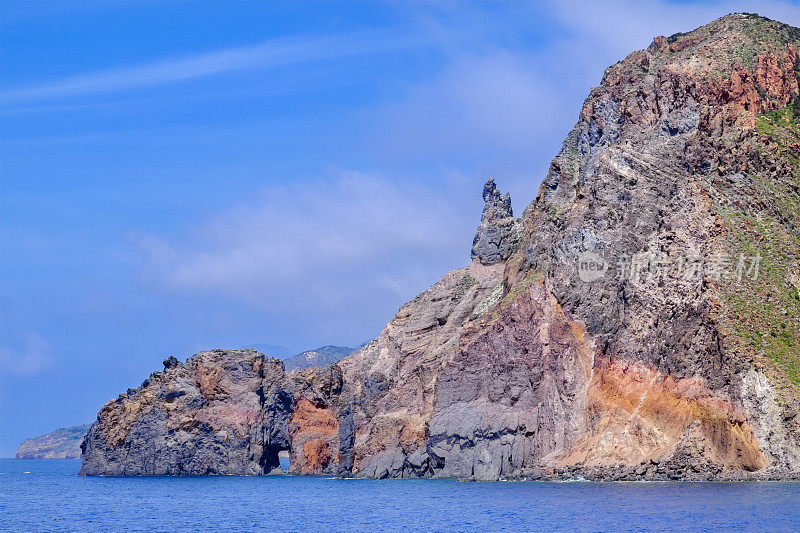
[180,176]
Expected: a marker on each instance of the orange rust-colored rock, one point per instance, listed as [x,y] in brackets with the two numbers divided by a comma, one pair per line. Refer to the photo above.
[309,417]
[639,414]
[776,77]
[316,455]
[207,380]
[313,429]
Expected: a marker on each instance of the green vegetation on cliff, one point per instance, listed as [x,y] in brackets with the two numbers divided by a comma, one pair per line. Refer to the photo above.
[767,309]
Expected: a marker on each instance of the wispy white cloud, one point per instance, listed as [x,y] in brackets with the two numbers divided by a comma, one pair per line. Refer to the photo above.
[489,101]
[31,359]
[271,53]
[324,244]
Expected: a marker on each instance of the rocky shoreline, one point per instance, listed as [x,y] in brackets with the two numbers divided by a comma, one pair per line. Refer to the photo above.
[619,329]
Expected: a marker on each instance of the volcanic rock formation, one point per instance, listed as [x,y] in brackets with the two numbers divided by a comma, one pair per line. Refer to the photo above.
[640,320]
[221,412]
[497,235]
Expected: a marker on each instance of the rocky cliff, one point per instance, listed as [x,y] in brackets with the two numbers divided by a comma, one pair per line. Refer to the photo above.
[497,236]
[63,443]
[640,320]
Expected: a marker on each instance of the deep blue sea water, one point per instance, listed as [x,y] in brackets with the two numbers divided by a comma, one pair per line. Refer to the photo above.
[49,496]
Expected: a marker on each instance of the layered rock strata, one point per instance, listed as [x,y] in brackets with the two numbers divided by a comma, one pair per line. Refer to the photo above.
[640,320]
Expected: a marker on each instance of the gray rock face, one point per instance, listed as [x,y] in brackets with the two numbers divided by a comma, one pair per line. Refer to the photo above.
[513,393]
[221,412]
[393,380]
[497,235]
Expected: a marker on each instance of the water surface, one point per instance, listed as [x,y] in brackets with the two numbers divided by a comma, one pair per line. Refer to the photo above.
[49,496]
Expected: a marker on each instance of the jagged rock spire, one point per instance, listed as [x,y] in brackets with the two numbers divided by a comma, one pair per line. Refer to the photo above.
[496,236]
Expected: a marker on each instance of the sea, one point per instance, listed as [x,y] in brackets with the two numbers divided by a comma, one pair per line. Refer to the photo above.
[50,496]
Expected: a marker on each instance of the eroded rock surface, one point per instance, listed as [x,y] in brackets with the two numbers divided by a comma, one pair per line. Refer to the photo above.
[497,234]
[220,412]
[682,158]
[527,365]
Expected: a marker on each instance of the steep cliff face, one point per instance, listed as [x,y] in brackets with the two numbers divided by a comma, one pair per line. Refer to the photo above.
[674,180]
[640,320]
[393,381]
[221,412]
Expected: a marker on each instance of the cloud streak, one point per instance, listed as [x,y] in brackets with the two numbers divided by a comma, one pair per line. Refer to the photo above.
[271,53]
[319,245]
